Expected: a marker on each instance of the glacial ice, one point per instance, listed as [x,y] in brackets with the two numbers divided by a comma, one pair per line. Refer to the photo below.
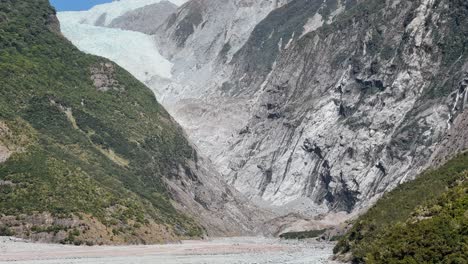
[134,51]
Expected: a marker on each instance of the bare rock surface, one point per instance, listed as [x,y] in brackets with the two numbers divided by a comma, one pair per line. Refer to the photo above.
[201,192]
[103,77]
[145,19]
[4,153]
[297,114]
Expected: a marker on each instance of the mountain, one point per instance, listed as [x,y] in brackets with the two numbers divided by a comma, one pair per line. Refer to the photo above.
[353,120]
[305,116]
[317,107]
[87,154]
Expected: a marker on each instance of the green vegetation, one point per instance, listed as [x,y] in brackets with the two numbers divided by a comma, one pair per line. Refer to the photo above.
[6,231]
[303,235]
[78,150]
[423,221]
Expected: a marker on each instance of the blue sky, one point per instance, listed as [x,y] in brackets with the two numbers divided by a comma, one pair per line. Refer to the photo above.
[75,5]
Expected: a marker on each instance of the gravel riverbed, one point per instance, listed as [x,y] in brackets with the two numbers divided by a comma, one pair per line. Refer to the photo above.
[244,250]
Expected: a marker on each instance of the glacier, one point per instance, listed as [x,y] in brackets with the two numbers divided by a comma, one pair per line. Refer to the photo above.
[144,61]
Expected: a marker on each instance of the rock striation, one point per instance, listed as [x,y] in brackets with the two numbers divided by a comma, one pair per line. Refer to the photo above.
[336,101]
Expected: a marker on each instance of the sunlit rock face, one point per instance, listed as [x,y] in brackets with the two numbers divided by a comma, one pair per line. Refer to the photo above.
[145,19]
[201,40]
[334,101]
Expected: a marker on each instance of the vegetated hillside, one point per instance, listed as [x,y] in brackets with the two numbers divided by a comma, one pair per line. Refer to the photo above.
[423,221]
[87,155]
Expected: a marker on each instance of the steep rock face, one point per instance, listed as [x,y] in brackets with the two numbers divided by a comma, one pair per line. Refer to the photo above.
[256,58]
[456,139]
[199,191]
[88,155]
[353,108]
[145,19]
[200,39]
[208,27]
[297,113]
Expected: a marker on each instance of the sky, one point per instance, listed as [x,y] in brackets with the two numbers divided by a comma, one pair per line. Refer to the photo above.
[76,5]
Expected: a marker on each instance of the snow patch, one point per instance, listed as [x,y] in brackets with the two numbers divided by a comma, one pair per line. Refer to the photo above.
[288,45]
[313,24]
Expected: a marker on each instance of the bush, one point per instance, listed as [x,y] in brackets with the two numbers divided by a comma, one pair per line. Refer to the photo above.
[423,221]
[303,235]
[6,231]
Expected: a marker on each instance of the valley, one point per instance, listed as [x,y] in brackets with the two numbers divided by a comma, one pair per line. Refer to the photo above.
[234,131]
[287,115]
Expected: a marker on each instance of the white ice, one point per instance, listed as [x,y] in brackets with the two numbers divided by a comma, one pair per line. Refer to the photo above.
[134,51]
